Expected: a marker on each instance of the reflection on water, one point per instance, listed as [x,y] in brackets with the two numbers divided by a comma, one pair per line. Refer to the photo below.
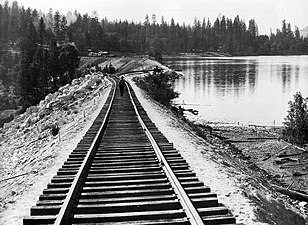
[248,90]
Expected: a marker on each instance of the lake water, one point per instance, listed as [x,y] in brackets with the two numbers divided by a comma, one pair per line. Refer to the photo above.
[244,90]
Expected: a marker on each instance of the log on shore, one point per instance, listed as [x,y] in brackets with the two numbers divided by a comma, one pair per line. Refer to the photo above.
[293,194]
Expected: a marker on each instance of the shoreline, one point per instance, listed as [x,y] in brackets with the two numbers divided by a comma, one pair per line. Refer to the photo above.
[248,141]
[277,164]
[238,184]
[233,179]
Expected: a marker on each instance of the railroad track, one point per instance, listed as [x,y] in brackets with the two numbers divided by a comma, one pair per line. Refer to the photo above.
[124,171]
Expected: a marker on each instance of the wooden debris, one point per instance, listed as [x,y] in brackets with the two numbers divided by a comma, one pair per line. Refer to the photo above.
[293,165]
[262,138]
[285,160]
[298,174]
[287,155]
[290,185]
[293,194]
[267,157]
[19,175]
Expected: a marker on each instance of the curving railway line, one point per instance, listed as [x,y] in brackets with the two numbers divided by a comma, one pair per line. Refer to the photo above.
[124,171]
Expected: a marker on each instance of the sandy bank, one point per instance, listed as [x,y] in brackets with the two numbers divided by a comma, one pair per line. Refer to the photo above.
[237,185]
[41,159]
[245,194]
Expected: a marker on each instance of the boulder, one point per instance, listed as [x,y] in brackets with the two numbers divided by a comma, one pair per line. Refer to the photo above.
[41,104]
[66,91]
[89,83]
[6,125]
[51,97]
[76,81]
[302,204]
[65,97]
[79,90]
[61,89]
[32,109]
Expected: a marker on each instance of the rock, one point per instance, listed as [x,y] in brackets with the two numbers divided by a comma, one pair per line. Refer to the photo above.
[15,125]
[61,89]
[45,126]
[6,125]
[80,89]
[277,176]
[35,119]
[76,81]
[41,104]
[77,95]
[65,97]
[44,112]
[89,83]
[51,97]
[66,91]
[97,79]
[49,104]
[26,130]
[31,109]
[302,204]
[28,121]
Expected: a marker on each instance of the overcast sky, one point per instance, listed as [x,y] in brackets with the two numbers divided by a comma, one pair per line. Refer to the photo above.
[267,13]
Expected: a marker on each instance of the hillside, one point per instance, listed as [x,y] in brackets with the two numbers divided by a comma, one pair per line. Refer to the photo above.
[31,155]
[32,150]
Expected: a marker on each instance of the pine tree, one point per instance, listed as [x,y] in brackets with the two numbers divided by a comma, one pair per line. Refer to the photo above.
[63,30]
[5,21]
[41,31]
[1,27]
[296,122]
[27,80]
[53,66]
[56,26]
[14,23]
[68,62]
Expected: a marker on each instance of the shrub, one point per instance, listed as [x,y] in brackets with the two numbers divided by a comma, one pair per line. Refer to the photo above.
[296,122]
[158,86]
[54,130]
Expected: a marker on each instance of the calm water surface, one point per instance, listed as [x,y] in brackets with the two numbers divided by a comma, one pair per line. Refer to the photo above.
[245,90]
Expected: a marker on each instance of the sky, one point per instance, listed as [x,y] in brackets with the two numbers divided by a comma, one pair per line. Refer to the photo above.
[268,14]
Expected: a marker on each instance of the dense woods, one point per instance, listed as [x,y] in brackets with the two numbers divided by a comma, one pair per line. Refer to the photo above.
[35,55]
[40,52]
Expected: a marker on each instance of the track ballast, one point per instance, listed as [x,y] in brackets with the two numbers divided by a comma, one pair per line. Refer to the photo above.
[124,171]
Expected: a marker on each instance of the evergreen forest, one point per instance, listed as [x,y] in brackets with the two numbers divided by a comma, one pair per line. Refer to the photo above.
[39,52]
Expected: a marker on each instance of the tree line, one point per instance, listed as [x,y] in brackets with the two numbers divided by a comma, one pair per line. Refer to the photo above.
[39,51]
[34,59]
[227,35]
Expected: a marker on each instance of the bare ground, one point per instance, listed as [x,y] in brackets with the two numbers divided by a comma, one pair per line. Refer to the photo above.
[37,156]
[233,171]
[239,172]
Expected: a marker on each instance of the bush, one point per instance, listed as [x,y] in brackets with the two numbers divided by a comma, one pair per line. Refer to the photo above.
[54,130]
[158,86]
[296,122]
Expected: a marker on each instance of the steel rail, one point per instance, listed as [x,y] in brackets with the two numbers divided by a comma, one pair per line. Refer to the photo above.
[190,210]
[64,213]
[118,168]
